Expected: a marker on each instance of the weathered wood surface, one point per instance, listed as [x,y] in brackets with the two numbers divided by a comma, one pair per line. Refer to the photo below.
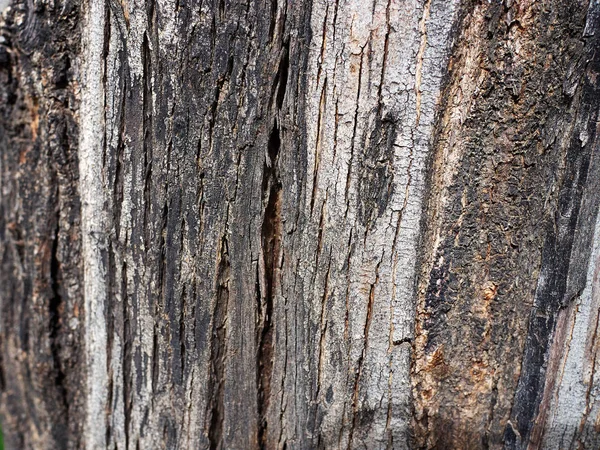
[301,224]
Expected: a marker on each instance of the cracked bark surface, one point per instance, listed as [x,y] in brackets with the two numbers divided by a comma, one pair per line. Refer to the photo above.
[294,225]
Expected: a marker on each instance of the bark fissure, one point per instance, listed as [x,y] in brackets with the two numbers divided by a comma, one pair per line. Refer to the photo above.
[420,55]
[55,309]
[361,359]
[271,254]
[218,350]
[323,328]
[127,357]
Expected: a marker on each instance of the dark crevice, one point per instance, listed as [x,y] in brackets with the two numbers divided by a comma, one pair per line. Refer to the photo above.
[55,306]
[105,51]
[322,108]
[220,83]
[323,328]
[162,245]
[127,355]
[284,68]
[258,292]
[353,139]
[119,180]
[273,20]
[221,9]
[271,252]
[147,130]
[280,80]
[218,350]
[320,235]
[155,357]
[273,148]
[61,76]
[404,340]
[110,334]
[182,348]
[152,22]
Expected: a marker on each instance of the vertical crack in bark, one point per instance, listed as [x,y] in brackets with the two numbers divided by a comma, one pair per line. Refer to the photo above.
[218,349]
[320,129]
[368,321]
[323,42]
[105,51]
[279,86]
[386,46]
[271,253]
[106,151]
[320,233]
[323,328]
[273,19]
[55,307]
[355,125]
[420,55]
[119,172]
[147,131]
[127,356]
[270,248]
[182,328]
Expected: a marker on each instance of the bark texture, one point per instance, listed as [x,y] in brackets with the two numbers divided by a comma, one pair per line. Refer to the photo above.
[299,224]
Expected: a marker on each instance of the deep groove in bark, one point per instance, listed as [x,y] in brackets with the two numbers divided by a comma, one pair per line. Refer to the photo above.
[282,76]
[273,20]
[155,357]
[127,355]
[147,131]
[182,328]
[218,350]
[271,250]
[55,305]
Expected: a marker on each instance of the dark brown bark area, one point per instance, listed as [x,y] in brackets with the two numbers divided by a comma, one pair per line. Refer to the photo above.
[40,278]
[202,137]
[507,231]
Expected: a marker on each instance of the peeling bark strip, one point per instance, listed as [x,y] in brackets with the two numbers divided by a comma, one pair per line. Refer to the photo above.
[293,225]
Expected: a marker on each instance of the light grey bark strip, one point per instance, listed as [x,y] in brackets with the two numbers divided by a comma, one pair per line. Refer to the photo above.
[91,139]
[374,78]
[578,383]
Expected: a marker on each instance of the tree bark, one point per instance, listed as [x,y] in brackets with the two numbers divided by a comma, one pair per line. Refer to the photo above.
[300,224]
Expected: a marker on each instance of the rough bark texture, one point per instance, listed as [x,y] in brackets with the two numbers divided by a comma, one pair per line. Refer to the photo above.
[300,224]
[41,276]
[504,218]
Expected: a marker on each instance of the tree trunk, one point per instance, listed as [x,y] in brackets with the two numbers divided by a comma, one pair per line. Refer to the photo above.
[300,224]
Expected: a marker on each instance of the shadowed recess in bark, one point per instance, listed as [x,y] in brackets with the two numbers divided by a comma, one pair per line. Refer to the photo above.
[218,350]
